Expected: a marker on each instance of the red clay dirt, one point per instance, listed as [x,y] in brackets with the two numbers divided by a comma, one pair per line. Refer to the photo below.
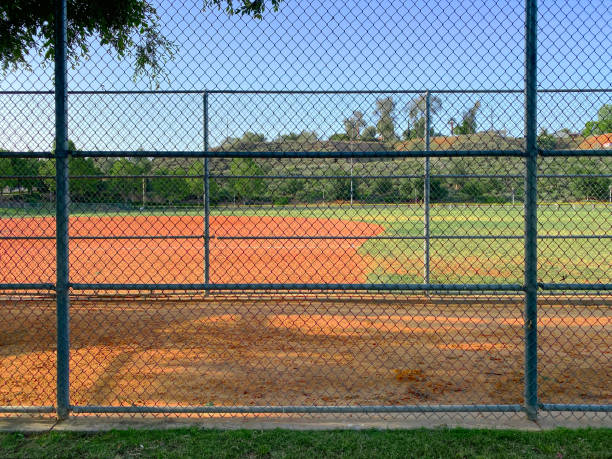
[165,259]
[288,350]
[282,350]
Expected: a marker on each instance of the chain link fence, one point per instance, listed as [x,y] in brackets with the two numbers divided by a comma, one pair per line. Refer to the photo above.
[335,208]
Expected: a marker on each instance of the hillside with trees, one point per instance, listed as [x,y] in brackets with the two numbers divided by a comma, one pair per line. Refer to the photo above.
[179,181]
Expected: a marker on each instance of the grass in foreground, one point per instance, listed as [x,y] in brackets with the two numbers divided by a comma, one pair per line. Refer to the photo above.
[442,443]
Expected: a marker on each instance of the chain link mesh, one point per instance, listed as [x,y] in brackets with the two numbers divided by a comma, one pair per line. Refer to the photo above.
[323,207]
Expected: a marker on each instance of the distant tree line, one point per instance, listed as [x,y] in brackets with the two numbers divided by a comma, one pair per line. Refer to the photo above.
[146,181]
[181,182]
[386,125]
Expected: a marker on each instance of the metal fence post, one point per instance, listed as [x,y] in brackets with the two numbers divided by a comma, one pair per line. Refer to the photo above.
[62,212]
[426,190]
[351,178]
[531,229]
[206,198]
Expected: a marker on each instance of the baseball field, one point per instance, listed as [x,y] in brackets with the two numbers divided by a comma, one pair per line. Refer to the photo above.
[342,244]
[235,348]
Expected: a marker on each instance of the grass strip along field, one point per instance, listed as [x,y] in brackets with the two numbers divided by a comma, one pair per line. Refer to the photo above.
[422,443]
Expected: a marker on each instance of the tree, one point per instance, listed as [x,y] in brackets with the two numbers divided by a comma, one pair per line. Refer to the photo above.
[590,188]
[419,128]
[196,184]
[410,189]
[382,190]
[130,27]
[459,169]
[301,137]
[253,8]
[546,141]
[468,121]
[27,167]
[253,137]
[603,125]
[339,137]
[341,185]
[353,125]
[417,109]
[408,134]
[587,187]
[6,169]
[246,188]
[385,108]
[129,189]
[474,190]
[81,189]
[369,134]
[418,132]
[170,190]
[288,189]
[437,190]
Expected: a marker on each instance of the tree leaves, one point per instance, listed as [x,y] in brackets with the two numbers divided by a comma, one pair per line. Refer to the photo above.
[131,28]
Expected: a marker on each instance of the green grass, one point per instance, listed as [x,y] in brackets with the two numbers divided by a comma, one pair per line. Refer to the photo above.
[452,261]
[480,260]
[421,443]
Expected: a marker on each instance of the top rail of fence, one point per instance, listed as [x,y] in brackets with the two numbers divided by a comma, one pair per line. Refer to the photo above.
[310,91]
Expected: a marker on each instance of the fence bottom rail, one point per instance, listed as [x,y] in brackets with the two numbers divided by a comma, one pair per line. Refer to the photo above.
[21,409]
[298,409]
[84,409]
[575,407]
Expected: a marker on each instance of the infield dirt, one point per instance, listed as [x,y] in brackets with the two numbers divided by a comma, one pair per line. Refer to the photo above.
[291,351]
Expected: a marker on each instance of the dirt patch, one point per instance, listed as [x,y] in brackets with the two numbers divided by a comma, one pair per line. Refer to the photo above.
[288,351]
[172,250]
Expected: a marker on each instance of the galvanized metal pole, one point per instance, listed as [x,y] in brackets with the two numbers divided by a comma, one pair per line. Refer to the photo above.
[531,202]
[426,191]
[62,200]
[206,197]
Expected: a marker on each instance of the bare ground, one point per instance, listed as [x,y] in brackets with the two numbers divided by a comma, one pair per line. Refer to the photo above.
[281,350]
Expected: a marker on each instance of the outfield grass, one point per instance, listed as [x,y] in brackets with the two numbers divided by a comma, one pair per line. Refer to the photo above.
[479,260]
[422,443]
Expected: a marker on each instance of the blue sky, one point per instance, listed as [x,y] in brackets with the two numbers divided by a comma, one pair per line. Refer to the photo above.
[329,45]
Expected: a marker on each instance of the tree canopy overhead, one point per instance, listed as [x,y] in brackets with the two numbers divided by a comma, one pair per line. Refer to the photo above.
[253,8]
[131,28]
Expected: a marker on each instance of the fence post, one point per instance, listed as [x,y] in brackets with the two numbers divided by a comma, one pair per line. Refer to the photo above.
[531,222]
[206,197]
[426,191]
[62,212]
[351,177]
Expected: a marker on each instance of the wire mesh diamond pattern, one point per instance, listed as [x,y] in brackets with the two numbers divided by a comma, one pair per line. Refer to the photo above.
[321,207]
